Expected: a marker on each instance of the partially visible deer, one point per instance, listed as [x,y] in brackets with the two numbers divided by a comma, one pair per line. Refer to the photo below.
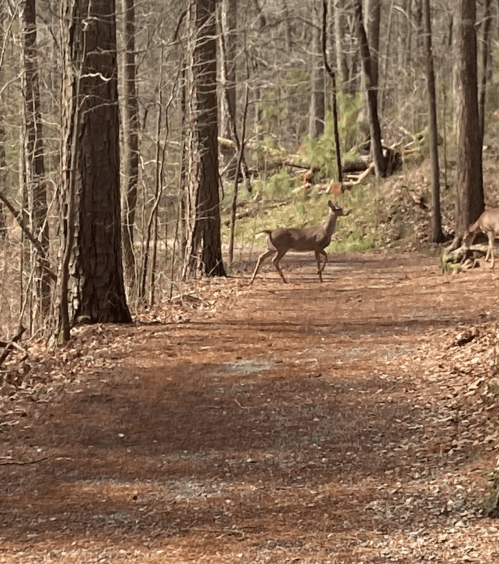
[316,239]
[487,223]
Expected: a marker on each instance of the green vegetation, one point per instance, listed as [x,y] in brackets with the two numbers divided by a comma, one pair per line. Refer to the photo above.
[275,205]
[321,152]
[387,215]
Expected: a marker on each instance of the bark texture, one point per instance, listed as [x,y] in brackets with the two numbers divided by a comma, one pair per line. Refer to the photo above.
[372,99]
[91,188]
[470,199]
[204,246]
[436,219]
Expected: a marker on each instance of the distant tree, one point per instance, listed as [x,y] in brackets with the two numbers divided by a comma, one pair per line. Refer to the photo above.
[229,70]
[90,167]
[34,150]
[203,224]
[3,163]
[373,26]
[130,140]
[436,221]
[334,93]
[3,176]
[485,53]
[346,61]
[317,114]
[372,103]
[470,197]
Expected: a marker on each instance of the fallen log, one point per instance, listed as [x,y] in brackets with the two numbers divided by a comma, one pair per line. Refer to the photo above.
[280,157]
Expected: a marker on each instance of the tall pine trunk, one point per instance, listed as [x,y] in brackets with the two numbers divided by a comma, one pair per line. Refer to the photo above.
[90,164]
[203,225]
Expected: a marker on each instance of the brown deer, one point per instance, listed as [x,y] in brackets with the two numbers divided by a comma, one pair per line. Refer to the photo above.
[487,223]
[316,239]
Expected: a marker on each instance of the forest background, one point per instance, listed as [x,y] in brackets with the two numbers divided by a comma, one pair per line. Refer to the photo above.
[126,128]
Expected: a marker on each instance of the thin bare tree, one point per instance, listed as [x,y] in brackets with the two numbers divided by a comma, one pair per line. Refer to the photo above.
[34,149]
[436,219]
[130,141]
[470,197]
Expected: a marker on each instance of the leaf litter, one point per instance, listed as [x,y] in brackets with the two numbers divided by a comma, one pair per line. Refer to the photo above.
[350,422]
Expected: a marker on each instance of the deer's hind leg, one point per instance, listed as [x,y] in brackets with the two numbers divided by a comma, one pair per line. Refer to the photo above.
[261,258]
[276,260]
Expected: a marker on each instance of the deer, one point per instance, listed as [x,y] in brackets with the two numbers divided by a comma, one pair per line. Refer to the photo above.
[316,239]
[487,223]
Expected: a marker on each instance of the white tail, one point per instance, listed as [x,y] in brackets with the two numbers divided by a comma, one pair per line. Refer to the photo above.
[487,223]
[316,239]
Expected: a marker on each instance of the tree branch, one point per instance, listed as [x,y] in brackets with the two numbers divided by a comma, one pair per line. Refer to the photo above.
[42,256]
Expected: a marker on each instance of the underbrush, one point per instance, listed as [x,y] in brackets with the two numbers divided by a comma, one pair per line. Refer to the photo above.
[391,214]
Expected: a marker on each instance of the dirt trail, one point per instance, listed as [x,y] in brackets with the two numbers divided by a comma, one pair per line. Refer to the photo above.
[299,423]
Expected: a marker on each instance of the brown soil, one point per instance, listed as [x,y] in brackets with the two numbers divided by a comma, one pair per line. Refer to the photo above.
[344,422]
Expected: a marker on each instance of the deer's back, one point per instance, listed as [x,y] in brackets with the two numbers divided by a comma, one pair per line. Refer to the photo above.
[488,221]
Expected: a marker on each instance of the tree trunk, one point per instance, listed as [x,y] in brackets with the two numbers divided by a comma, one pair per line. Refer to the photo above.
[372,103]
[383,70]
[35,163]
[228,57]
[288,29]
[229,54]
[405,62]
[373,28]
[90,164]
[436,220]
[334,92]
[341,56]
[204,245]
[3,163]
[130,141]
[317,115]
[418,19]
[470,199]
[485,43]
[3,175]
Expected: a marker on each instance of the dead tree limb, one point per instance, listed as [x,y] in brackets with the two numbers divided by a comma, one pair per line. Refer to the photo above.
[42,256]
[10,345]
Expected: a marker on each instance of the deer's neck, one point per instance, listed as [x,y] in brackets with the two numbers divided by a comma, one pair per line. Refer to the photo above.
[330,225]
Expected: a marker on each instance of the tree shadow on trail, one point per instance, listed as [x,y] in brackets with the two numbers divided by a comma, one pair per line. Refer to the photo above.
[283,416]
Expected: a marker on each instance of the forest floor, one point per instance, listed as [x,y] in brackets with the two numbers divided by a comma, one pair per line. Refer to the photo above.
[353,421]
